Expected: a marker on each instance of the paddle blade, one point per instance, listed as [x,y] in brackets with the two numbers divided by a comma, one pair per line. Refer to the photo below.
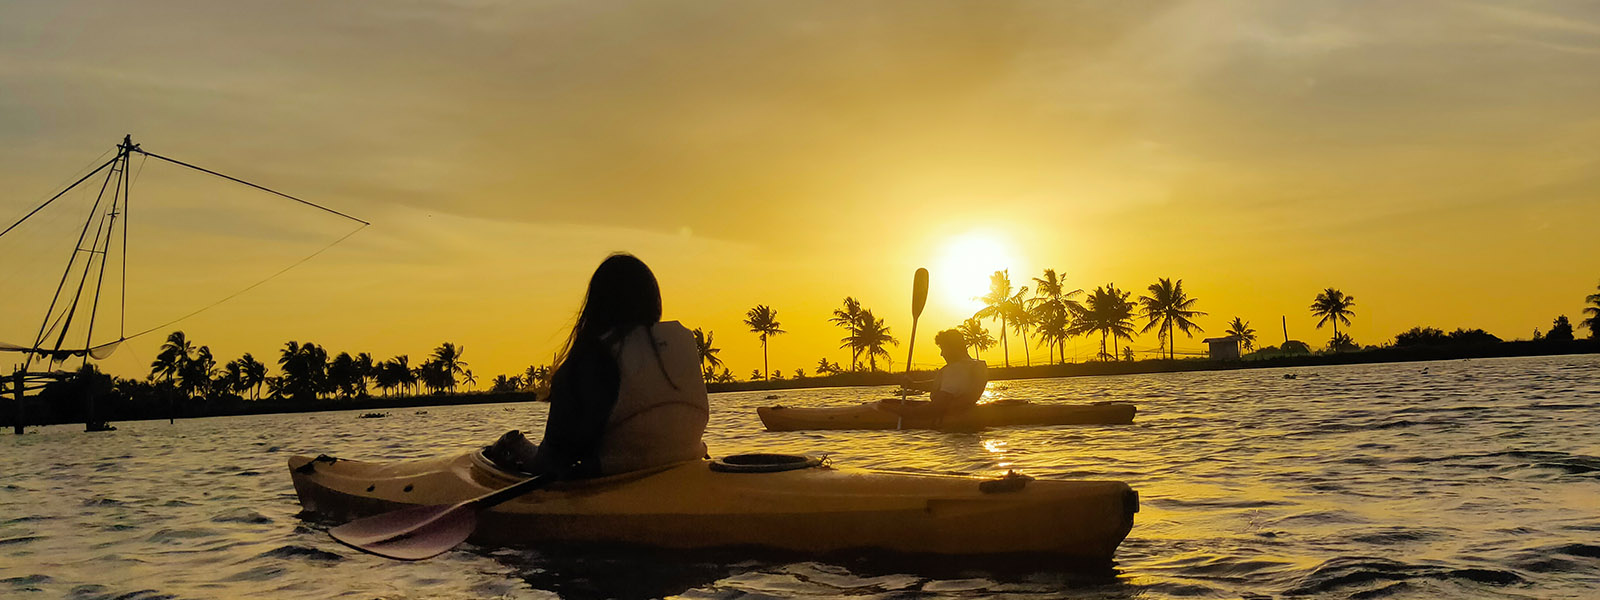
[410,534]
[919,292]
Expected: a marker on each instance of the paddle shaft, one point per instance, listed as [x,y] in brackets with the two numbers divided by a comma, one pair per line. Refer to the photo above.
[919,298]
[510,492]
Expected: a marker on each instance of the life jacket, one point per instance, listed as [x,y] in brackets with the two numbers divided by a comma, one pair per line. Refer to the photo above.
[656,421]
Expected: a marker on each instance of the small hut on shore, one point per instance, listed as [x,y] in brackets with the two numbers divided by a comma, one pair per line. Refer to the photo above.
[1223,348]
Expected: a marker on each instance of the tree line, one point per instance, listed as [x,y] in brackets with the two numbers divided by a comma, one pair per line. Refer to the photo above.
[1048,313]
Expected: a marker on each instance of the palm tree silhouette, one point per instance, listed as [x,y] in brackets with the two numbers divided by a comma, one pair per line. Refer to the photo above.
[1054,308]
[343,373]
[255,374]
[849,317]
[1108,312]
[1593,322]
[448,359]
[1241,329]
[763,320]
[823,367]
[708,353]
[232,379]
[1168,307]
[976,336]
[397,371]
[367,369]
[1050,324]
[1333,305]
[305,368]
[1017,313]
[537,376]
[174,355]
[871,337]
[388,374]
[995,307]
[197,374]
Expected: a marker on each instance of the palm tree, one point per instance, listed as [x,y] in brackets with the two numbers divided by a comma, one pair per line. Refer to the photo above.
[763,320]
[1333,305]
[436,376]
[502,383]
[305,370]
[823,367]
[1119,315]
[1108,312]
[870,338]
[995,307]
[1055,308]
[708,353]
[1240,328]
[255,374]
[197,373]
[174,355]
[1168,307]
[537,376]
[233,377]
[976,336]
[1051,326]
[448,357]
[1017,313]
[849,317]
[1593,322]
[470,380]
[343,374]
[387,376]
[397,372]
[368,369]
[1341,342]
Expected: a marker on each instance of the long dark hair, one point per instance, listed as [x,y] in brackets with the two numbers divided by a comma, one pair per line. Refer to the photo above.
[623,294]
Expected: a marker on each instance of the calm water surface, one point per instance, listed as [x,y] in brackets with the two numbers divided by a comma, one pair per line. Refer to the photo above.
[1461,479]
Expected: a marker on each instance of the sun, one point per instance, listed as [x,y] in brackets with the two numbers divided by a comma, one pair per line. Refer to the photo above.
[962,272]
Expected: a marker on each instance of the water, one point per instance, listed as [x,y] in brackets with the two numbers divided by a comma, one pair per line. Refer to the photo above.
[1461,479]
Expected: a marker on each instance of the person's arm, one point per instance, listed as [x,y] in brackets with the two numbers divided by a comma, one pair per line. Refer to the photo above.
[930,384]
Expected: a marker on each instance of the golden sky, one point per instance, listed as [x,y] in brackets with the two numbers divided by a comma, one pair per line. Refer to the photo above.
[1440,161]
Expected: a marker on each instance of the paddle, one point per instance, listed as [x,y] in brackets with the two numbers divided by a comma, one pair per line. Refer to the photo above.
[426,531]
[919,298]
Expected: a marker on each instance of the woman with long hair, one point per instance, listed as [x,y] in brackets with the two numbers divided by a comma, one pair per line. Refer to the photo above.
[627,392]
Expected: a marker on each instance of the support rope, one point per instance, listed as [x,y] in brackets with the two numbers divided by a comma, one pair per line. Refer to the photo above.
[252,286]
[237,180]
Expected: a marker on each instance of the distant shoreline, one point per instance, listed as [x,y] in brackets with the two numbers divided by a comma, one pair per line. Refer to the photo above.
[1089,369]
[859,379]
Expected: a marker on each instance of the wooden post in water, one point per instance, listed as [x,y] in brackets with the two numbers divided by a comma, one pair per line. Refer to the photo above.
[16,387]
[87,379]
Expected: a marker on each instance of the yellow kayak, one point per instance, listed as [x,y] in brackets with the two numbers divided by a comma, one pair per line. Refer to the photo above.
[871,415]
[814,509]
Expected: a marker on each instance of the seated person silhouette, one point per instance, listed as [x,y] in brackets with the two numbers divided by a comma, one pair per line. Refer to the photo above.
[955,389]
[627,393]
